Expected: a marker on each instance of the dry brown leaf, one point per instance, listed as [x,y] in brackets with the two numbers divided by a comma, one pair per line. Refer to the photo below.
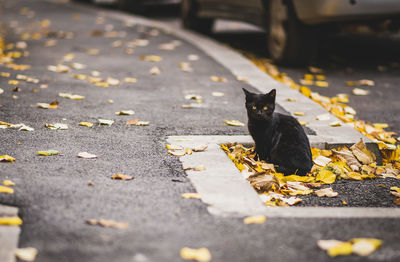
[348,157]
[121,177]
[262,182]
[328,192]
[361,152]
[107,223]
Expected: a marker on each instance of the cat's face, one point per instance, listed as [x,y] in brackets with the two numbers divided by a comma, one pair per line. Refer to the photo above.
[260,107]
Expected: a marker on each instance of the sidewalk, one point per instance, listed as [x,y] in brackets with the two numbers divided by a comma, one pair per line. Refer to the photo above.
[181,84]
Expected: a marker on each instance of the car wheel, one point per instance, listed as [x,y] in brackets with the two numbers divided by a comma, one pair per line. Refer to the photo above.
[190,19]
[135,6]
[289,41]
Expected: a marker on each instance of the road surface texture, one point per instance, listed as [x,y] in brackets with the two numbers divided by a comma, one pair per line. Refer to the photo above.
[53,192]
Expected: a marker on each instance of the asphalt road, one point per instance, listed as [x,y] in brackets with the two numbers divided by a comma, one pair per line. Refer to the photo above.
[53,193]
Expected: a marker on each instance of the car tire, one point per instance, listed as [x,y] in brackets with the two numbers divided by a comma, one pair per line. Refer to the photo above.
[289,41]
[190,19]
[134,6]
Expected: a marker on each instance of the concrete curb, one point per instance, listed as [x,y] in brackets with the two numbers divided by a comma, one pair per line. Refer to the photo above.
[227,193]
[8,235]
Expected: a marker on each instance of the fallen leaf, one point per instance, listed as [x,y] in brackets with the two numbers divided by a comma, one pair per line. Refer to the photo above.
[299,113]
[122,177]
[10,221]
[57,126]
[348,157]
[192,195]
[199,149]
[394,190]
[71,96]
[137,122]
[173,147]
[262,182]
[155,70]
[200,255]
[323,117]
[106,122]
[242,79]
[259,219]
[6,158]
[151,58]
[365,246]
[113,81]
[107,223]
[291,99]
[315,70]
[218,79]
[322,161]
[233,123]
[26,253]
[326,176]
[6,190]
[396,201]
[177,153]
[130,80]
[328,192]
[48,152]
[361,152]
[360,92]
[78,66]
[321,83]
[195,168]
[52,105]
[8,183]
[193,57]
[335,124]
[186,67]
[125,112]
[88,124]
[86,155]
[217,94]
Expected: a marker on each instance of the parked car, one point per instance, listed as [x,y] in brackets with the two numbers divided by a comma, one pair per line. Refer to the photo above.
[292,26]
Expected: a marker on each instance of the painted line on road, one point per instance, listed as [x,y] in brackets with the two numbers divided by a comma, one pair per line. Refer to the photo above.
[227,193]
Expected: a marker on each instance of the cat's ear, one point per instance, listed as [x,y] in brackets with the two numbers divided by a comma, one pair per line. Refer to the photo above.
[272,93]
[247,93]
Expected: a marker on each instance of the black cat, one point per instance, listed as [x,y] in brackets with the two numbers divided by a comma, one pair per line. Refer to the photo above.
[279,138]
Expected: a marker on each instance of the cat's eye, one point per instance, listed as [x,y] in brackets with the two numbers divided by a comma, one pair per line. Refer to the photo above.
[265,108]
[254,107]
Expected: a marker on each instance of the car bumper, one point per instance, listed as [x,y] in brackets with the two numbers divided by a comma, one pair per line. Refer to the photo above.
[319,11]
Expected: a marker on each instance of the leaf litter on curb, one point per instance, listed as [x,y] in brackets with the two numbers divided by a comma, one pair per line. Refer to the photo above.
[351,163]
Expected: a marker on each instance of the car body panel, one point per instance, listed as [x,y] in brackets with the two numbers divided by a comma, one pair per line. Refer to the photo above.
[319,11]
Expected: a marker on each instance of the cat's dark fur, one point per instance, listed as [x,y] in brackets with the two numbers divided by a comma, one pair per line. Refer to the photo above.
[279,138]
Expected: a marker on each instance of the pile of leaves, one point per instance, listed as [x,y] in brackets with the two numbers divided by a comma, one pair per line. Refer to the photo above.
[336,105]
[276,189]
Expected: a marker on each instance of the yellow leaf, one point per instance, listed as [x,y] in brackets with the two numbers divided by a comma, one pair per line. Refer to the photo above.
[320,77]
[195,168]
[308,77]
[48,152]
[299,113]
[296,178]
[192,195]
[303,123]
[326,176]
[130,80]
[88,124]
[6,158]
[233,123]
[305,91]
[200,255]
[380,125]
[260,219]
[173,147]
[365,246]
[10,221]
[344,248]
[360,92]
[6,190]
[395,188]
[151,58]
[321,83]
[8,183]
